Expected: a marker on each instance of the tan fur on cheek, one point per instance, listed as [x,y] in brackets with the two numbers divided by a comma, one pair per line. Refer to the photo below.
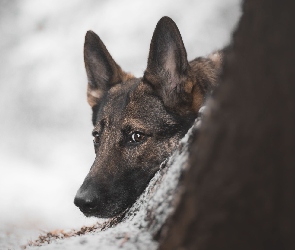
[197,99]
[188,87]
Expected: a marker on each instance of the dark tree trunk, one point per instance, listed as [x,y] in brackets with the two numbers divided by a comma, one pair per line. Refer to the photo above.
[240,189]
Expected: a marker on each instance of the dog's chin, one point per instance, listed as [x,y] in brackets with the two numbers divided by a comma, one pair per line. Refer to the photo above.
[107,214]
[91,214]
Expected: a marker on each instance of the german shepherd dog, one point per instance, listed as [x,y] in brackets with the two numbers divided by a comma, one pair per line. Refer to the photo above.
[138,122]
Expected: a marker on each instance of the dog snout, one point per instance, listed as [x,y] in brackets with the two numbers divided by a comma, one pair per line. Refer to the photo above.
[86,202]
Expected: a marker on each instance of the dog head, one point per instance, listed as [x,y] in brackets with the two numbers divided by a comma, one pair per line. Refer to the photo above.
[138,122]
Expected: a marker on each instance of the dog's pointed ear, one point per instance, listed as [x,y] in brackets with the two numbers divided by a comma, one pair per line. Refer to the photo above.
[102,71]
[167,67]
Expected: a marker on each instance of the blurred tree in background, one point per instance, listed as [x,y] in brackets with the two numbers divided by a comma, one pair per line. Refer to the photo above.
[240,188]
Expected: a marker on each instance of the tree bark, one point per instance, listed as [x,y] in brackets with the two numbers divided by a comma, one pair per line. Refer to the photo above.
[239,192]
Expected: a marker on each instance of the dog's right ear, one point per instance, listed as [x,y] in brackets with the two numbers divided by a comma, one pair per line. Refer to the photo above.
[168,67]
[102,71]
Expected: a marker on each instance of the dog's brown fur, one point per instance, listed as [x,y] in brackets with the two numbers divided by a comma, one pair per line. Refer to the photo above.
[138,122]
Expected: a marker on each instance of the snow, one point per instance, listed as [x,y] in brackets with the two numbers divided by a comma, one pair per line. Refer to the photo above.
[46,145]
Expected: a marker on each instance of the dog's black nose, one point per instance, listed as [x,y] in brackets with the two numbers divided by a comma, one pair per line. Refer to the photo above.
[86,202]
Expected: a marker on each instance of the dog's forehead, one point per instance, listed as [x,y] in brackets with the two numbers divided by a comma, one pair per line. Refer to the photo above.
[118,97]
[143,102]
[132,101]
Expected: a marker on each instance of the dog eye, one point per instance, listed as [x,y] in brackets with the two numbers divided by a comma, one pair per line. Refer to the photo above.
[137,137]
[95,137]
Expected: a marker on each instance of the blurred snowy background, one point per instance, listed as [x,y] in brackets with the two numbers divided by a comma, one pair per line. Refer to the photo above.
[45,123]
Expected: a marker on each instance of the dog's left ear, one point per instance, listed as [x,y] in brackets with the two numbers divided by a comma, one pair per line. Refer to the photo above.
[167,68]
[102,70]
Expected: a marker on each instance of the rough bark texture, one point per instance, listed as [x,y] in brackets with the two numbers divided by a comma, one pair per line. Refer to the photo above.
[240,189]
